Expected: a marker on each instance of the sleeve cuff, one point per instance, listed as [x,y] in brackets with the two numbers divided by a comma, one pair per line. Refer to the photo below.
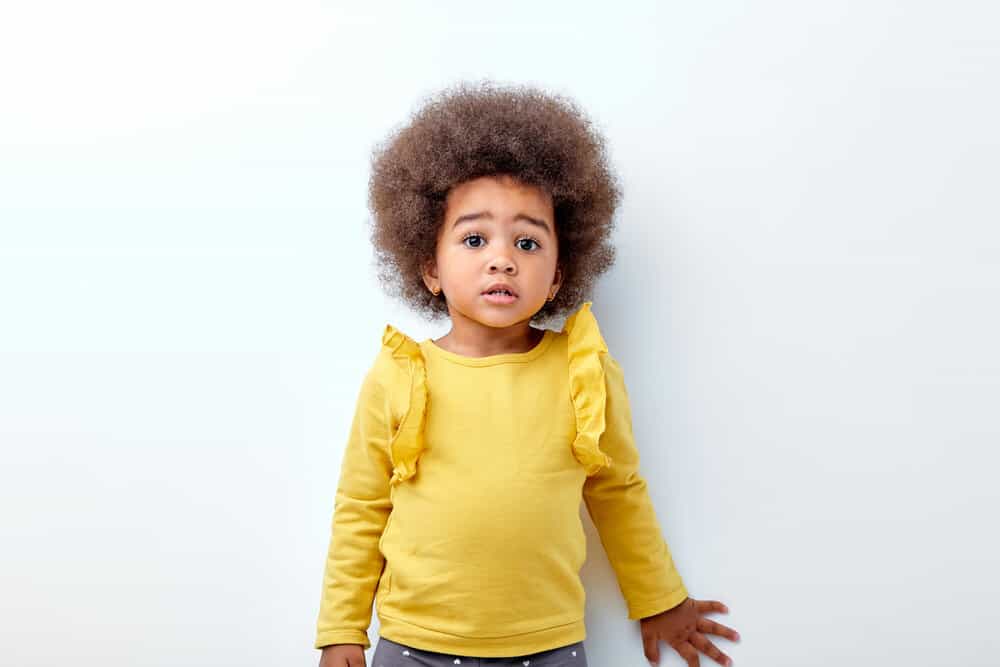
[328,637]
[638,610]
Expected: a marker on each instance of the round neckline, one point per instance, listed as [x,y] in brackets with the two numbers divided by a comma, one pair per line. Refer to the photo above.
[492,359]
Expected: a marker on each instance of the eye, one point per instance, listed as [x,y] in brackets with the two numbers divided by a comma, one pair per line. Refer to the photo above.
[519,242]
[472,236]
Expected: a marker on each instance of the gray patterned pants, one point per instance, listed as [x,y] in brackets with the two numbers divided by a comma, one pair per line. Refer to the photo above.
[392,654]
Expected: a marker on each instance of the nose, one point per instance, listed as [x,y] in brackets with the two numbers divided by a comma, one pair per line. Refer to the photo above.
[502,263]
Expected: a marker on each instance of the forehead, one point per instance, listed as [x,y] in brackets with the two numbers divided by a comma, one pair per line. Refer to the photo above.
[500,200]
[500,192]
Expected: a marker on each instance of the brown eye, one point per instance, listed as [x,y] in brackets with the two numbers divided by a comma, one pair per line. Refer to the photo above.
[472,236]
[529,240]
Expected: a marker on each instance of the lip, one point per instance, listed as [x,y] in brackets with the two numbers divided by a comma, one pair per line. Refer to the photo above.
[505,286]
[499,299]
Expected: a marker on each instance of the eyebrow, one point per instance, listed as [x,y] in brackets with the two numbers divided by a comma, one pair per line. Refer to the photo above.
[469,217]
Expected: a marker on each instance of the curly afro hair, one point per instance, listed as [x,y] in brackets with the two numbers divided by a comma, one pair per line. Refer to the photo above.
[479,129]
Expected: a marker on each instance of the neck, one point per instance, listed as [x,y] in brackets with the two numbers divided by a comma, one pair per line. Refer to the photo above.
[470,338]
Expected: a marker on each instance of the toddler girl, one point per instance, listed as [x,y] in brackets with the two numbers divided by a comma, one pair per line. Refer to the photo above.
[457,509]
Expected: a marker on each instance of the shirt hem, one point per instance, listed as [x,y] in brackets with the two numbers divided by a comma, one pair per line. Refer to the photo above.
[508,646]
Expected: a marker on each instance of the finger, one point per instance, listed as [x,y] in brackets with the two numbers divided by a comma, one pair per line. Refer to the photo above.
[689,653]
[702,643]
[709,626]
[708,606]
[651,647]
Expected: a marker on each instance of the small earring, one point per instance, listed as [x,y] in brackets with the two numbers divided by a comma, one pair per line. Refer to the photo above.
[435,292]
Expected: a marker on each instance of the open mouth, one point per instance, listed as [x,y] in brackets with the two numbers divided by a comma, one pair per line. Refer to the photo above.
[499,296]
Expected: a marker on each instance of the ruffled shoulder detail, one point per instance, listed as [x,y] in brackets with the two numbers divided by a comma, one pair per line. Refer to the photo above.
[585,347]
[408,440]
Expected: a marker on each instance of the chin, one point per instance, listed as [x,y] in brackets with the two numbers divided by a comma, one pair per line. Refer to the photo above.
[497,316]
[498,320]
[504,318]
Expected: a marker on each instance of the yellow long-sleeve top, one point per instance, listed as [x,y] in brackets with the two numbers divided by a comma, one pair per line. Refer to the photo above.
[458,506]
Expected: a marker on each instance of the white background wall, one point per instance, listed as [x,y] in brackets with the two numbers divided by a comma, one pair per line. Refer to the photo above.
[805,305]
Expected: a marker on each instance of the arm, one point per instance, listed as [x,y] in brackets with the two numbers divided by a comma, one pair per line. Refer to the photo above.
[619,504]
[354,562]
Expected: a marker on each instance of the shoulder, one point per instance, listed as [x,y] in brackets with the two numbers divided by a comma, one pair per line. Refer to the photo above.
[398,357]
[398,368]
[583,336]
[395,379]
[586,347]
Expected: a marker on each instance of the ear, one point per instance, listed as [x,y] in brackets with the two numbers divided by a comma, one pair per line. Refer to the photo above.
[556,283]
[430,274]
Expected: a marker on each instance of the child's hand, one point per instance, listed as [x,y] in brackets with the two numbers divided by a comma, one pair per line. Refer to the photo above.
[684,629]
[343,655]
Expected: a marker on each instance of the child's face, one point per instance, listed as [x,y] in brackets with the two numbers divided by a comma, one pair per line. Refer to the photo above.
[496,229]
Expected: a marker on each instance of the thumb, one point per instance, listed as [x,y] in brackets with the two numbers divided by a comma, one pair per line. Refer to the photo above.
[651,646]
